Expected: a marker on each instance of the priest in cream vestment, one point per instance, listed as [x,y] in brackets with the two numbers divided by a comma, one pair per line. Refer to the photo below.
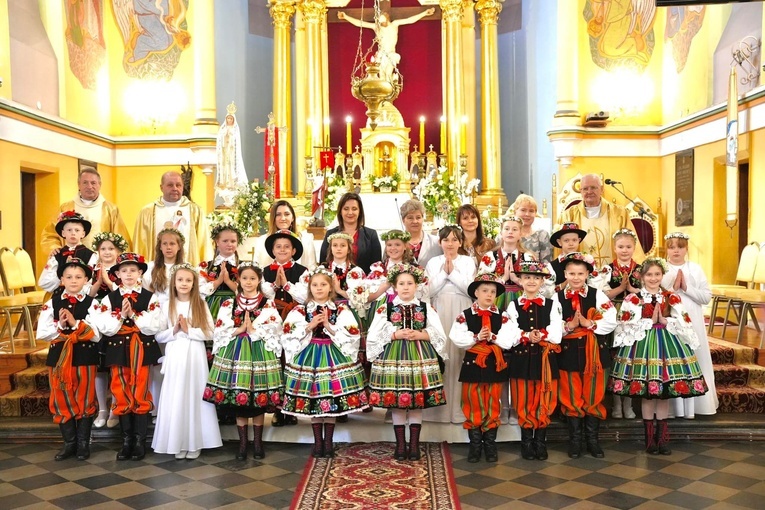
[103,215]
[173,210]
[600,219]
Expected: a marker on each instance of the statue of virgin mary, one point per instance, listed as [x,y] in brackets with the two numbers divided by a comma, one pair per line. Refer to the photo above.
[231,176]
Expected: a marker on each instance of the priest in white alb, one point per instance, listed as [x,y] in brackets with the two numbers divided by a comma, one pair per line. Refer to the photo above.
[173,210]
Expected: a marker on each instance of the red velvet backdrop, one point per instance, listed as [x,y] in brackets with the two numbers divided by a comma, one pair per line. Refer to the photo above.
[420,48]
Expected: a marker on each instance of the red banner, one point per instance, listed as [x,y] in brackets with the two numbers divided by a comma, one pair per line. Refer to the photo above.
[326,160]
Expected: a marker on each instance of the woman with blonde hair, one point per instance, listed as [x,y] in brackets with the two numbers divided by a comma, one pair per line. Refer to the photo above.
[535,242]
[424,245]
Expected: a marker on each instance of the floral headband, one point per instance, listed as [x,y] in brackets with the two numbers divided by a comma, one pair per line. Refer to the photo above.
[183,265]
[226,225]
[511,217]
[116,239]
[625,232]
[320,270]
[676,235]
[171,230]
[396,234]
[340,235]
[398,269]
[248,263]
[658,261]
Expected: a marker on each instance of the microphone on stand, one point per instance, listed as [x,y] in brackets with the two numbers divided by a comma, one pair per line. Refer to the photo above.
[612,182]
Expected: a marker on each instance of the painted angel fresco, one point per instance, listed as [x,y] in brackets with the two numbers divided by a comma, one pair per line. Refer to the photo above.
[154,33]
[621,32]
[683,23]
[84,35]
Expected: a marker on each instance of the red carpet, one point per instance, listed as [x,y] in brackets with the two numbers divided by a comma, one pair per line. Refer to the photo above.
[365,476]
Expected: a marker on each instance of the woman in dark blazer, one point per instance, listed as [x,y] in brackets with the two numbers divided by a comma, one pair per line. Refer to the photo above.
[366,244]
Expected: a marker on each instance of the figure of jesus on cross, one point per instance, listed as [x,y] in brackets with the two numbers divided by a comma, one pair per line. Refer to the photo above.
[387,35]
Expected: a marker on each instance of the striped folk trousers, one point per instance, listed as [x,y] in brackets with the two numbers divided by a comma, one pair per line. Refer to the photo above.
[582,394]
[481,404]
[528,399]
[80,400]
[131,393]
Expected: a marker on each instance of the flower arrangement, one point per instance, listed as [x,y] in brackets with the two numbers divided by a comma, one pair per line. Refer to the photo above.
[391,181]
[251,208]
[491,223]
[442,193]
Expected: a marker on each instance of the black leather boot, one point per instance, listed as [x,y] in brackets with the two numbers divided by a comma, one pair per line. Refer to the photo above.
[400,432]
[318,440]
[650,437]
[140,427]
[414,441]
[258,452]
[591,428]
[83,437]
[126,428]
[490,445]
[277,420]
[69,433]
[527,444]
[540,444]
[662,437]
[574,437]
[329,434]
[476,445]
[241,453]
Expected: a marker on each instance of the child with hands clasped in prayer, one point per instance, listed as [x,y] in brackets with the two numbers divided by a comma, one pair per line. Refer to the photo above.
[67,321]
[323,378]
[109,246]
[185,422]
[129,317]
[246,377]
[218,276]
[688,280]
[655,361]
[72,227]
[406,344]
[483,331]
[536,336]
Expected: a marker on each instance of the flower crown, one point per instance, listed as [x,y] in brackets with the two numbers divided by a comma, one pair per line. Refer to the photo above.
[398,269]
[658,261]
[70,215]
[676,235]
[226,225]
[116,239]
[248,263]
[171,230]
[396,234]
[510,217]
[183,265]
[340,235]
[320,270]
[626,231]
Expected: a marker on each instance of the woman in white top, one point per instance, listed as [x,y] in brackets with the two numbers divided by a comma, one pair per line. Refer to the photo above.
[449,276]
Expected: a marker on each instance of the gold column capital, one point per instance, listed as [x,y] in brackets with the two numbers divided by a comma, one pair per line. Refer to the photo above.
[282,12]
[313,10]
[451,10]
[488,11]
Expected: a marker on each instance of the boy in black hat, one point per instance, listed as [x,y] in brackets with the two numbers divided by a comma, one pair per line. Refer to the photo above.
[484,331]
[584,360]
[72,227]
[567,238]
[533,365]
[129,318]
[67,321]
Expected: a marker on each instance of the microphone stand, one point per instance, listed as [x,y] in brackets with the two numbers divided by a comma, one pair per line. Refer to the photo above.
[640,210]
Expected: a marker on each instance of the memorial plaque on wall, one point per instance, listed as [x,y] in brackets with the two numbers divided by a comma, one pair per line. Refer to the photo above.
[684,188]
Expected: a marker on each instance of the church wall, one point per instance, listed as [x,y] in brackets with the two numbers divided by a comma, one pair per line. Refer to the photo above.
[756,186]
[5,51]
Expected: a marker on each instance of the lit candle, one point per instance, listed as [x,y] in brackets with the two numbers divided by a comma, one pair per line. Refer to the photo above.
[463,135]
[422,134]
[499,207]
[348,142]
[443,134]
[308,138]
[326,131]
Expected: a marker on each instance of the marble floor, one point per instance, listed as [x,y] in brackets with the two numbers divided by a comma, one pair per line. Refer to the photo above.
[698,474]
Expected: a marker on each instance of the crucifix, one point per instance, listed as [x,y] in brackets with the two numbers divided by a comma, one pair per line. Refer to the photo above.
[271,171]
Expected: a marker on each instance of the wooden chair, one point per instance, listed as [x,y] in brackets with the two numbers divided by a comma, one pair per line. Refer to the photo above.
[18,303]
[748,300]
[744,275]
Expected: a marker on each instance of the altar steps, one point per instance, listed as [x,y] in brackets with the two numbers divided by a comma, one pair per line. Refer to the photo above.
[29,390]
[739,377]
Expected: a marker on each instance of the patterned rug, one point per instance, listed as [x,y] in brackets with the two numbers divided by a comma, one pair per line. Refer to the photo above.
[365,476]
[31,390]
[740,380]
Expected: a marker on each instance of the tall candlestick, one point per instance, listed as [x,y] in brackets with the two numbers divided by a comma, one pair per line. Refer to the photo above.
[443,135]
[348,136]
[422,134]
[308,138]
[463,135]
